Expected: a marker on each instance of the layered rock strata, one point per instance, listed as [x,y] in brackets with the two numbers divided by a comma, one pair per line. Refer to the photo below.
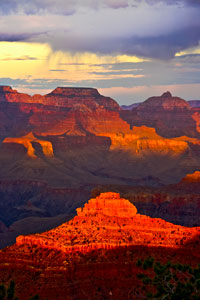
[107,222]
[94,255]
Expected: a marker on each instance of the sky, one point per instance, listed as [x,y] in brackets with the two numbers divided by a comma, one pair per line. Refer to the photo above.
[128,49]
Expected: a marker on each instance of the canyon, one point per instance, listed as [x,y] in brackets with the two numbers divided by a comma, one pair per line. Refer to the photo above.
[58,149]
[85,257]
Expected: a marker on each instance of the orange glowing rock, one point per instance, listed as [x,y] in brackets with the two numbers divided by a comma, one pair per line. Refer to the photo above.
[27,140]
[97,248]
[143,140]
[194,177]
[108,222]
[108,204]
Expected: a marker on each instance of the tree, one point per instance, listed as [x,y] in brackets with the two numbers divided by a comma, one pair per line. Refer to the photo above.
[2,292]
[169,281]
[36,297]
[9,292]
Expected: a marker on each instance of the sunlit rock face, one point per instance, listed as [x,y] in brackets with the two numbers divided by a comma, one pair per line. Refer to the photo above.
[70,111]
[107,222]
[192,178]
[143,140]
[7,94]
[108,204]
[61,97]
[164,102]
[170,116]
[95,253]
[28,142]
[191,185]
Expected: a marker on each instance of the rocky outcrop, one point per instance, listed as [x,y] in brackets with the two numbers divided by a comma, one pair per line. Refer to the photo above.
[170,116]
[164,102]
[107,222]
[192,178]
[145,141]
[28,142]
[190,185]
[7,94]
[94,255]
[83,98]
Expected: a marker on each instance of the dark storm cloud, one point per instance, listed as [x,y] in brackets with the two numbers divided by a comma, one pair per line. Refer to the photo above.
[7,37]
[105,27]
[160,46]
[163,46]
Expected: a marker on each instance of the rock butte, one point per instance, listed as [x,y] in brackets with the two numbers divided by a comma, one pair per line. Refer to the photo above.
[94,255]
[166,102]
[194,177]
[27,141]
[108,222]
[61,97]
[170,116]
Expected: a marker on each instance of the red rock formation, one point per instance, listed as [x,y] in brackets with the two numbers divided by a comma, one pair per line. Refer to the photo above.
[190,185]
[71,111]
[93,256]
[7,94]
[164,102]
[61,97]
[145,141]
[27,141]
[194,177]
[170,116]
[108,222]
[73,126]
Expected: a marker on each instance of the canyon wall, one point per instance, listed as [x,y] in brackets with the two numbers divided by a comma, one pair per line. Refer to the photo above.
[74,139]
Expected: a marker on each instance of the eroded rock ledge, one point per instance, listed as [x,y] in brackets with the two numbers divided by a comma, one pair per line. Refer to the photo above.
[108,222]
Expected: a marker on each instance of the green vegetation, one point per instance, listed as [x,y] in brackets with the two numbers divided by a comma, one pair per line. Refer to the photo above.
[8,293]
[36,297]
[168,281]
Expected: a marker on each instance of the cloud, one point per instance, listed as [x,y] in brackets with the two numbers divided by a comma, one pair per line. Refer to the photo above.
[116,4]
[14,37]
[62,7]
[57,70]
[69,7]
[22,58]
[163,46]
[173,2]
[37,7]
[104,27]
